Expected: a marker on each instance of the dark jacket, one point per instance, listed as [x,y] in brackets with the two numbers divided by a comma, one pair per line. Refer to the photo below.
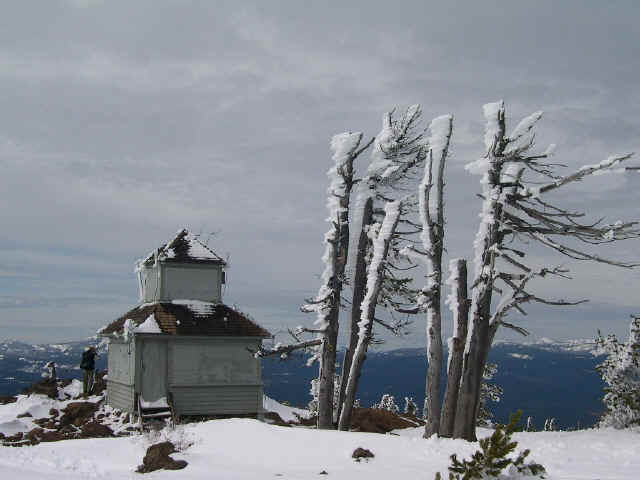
[88,360]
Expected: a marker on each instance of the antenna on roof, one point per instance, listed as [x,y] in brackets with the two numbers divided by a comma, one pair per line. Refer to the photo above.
[210,235]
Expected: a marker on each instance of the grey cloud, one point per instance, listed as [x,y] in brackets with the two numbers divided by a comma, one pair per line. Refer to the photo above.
[124,121]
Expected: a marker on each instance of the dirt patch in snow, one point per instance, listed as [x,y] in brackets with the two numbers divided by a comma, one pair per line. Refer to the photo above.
[67,419]
[273,418]
[360,453]
[157,458]
[4,400]
[78,413]
[95,430]
[47,387]
[374,420]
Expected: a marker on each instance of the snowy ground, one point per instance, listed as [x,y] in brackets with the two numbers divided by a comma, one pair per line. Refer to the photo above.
[247,449]
[13,419]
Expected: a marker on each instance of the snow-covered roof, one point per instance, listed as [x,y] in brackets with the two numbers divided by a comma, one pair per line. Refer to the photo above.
[184,248]
[186,317]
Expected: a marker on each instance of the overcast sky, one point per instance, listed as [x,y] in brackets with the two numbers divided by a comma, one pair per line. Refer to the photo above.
[121,122]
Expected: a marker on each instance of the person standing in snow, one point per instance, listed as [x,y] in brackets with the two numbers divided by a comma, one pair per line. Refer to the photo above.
[88,366]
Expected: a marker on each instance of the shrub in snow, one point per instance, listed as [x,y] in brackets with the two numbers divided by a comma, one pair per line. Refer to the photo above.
[488,392]
[621,373]
[530,427]
[550,425]
[387,402]
[410,407]
[312,406]
[493,457]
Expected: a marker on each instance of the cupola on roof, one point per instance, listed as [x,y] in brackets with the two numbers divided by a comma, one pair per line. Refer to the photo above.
[184,248]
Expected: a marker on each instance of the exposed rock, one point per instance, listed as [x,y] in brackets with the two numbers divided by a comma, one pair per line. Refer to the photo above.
[46,387]
[15,437]
[68,429]
[274,419]
[52,436]
[17,440]
[24,415]
[96,430]
[360,453]
[53,412]
[5,399]
[378,421]
[99,384]
[78,413]
[157,457]
[42,421]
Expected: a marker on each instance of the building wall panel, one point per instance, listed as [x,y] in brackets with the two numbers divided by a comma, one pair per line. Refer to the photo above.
[217,400]
[120,364]
[120,396]
[191,282]
[212,362]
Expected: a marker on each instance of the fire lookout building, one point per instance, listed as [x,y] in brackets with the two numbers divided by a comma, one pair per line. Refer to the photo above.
[182,350]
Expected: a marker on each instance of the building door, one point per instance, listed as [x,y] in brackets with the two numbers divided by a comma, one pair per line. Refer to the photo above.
[154,370]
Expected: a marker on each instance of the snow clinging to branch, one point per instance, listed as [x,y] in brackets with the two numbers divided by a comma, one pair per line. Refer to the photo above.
[391,211]
[492,115]
[525,126]
[384,142]
[342,146]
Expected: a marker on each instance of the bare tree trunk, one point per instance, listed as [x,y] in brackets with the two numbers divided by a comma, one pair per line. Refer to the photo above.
[375,275]
[477,344]
[327,373]
[432,237]
[329,344]
[359,290]
[337,251]
[460,312]
[434,371]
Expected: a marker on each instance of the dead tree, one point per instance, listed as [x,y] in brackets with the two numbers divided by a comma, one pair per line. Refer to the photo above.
[359,282]
[375,272]
[346,148]
[392,161]
[459,306]
[514,181]
[397,154]
[432,238]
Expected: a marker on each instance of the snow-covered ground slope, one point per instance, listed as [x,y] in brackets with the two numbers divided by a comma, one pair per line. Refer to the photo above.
[288,414]
[24,414]
[248,449]
[19,416]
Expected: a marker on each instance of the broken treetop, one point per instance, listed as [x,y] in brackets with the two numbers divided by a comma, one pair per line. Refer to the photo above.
[189,317]
[184,248]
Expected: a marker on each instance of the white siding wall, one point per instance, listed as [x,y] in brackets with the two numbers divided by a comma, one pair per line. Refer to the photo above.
[121,363]
[120,397]
[215,376]
[150,290]
[191,282]
[212,363]
[121,374]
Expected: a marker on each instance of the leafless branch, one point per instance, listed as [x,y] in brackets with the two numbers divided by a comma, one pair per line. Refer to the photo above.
[285,350]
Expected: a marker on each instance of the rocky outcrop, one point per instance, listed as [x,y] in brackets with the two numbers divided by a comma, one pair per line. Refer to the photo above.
[157,458]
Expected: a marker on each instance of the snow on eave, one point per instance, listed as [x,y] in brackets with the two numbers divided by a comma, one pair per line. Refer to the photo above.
[150,325]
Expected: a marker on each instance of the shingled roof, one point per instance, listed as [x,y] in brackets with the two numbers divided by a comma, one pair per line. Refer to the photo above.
[184,248]
[190,317]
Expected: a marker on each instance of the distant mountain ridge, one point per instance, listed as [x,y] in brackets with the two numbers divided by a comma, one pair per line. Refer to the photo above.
[545,379]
